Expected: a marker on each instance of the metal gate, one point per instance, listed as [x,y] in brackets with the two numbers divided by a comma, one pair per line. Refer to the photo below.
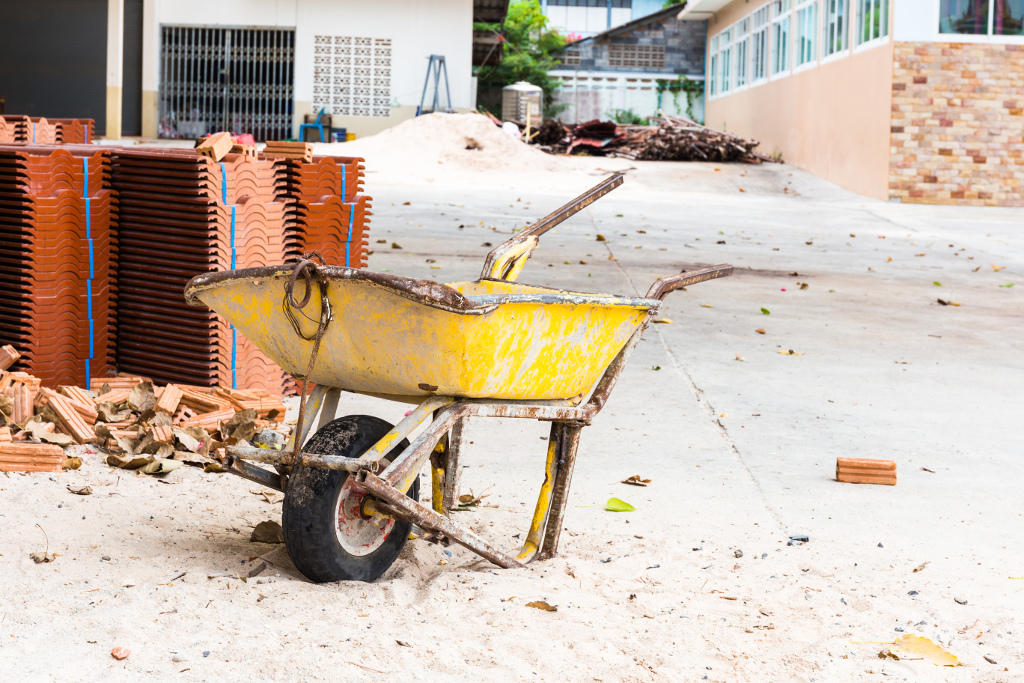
[235,79]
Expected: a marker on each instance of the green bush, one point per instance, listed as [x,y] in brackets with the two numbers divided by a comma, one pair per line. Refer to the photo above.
[528,52]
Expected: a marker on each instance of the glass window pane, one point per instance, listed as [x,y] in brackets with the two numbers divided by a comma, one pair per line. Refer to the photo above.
[963,16]
[1009,18]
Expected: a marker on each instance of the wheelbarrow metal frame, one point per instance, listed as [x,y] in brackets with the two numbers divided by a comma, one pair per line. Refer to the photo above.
[441,443]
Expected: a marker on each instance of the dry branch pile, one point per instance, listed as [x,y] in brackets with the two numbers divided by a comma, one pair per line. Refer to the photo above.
[674,138]
[137,425]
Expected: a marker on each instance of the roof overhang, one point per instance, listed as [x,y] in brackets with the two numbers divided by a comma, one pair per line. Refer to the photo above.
[701,9]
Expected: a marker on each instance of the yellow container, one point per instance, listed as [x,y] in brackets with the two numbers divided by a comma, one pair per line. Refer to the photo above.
[407,339]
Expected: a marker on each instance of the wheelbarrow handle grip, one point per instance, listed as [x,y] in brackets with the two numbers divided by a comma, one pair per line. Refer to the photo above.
[503,265]
[662,287]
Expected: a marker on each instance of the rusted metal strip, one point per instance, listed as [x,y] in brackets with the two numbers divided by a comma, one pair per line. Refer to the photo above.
[329,410]
[662,287]
[428,519]
[569,444]
[313,403]
[406,426]
[252,473]
[406,467]
[438,468]
[544,498]
[282,457]
[453,469]
[548,222]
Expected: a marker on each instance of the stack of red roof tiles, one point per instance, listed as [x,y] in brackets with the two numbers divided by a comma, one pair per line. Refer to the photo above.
[129,239]
[58,259]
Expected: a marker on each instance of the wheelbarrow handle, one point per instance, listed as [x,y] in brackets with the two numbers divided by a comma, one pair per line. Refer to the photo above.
[506,260]
[662,287]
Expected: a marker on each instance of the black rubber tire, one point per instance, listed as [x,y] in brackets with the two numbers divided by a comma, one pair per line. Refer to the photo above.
[310,506]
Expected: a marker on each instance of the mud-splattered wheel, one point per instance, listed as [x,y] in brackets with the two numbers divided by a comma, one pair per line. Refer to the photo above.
[327,535]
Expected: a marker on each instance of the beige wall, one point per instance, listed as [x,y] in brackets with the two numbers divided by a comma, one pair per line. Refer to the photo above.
[832,119]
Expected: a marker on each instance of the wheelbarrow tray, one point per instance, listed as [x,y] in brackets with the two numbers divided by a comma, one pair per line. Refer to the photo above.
[407,339]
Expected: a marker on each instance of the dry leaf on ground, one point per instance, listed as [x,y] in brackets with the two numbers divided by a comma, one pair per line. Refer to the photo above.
[911,646]
[540,604]
[636,480]
[267,532]
[81,491]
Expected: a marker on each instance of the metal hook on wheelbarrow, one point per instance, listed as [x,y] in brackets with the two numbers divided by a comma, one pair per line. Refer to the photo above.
[307,267]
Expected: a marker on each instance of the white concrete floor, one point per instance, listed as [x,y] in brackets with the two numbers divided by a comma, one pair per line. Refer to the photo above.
[742,454]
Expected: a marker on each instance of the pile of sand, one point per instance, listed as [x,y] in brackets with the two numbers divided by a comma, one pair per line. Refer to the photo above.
[468,143]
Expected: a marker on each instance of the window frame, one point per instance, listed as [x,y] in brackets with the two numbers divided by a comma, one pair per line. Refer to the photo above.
[741,61]
[711,78]
[990,37]
[844,51]
[785,16]
[800,8]
[765,31]
[725,61]
[855,26]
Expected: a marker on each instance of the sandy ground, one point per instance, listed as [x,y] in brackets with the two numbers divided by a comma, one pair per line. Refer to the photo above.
[698,583]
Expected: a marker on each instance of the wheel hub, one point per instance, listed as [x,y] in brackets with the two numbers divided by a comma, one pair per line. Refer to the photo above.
[357,534]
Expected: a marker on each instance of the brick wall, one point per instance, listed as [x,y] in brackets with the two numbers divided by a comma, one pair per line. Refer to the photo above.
[683,42]
[957,124]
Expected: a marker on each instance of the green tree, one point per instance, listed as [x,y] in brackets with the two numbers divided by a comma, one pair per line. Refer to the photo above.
[528,54]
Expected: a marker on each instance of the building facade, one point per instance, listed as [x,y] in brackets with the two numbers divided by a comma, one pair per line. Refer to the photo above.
[907,100]
[184,68]
[620,69]
[584,18]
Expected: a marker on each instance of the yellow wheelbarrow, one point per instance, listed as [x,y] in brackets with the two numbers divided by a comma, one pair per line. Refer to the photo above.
[489,348]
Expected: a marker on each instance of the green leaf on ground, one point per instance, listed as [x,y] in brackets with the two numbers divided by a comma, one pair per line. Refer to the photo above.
[937,284]
[1008,284]
[618,505]
[765,311]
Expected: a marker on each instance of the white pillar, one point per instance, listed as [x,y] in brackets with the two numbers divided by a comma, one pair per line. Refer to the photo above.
[115,66]
[150,62]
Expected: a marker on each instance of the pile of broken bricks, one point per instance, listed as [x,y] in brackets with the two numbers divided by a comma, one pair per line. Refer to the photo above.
[136,425]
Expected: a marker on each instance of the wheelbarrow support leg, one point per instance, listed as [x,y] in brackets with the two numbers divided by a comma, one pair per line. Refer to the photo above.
[438,470]
[313,403]
[453,468]
[569,441]
[544,499]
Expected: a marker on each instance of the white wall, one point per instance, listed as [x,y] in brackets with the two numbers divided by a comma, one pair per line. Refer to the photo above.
[585,21]
[595,94]
[417,29]
[915,20]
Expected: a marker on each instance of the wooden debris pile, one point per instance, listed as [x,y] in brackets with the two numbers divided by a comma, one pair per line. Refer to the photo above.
[137,425]
[672,138]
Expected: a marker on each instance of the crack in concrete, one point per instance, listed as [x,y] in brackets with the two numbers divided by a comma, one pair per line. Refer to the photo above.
[698,394]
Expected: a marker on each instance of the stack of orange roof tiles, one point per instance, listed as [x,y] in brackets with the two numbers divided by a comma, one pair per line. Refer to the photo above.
[183,214]
[58,259]
[331,215]
[41,131]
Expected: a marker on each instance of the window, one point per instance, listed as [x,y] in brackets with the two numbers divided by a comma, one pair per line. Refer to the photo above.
[713,67]
[352,76]
[982,17]
[872,20]
[759,45]
[807,33]
[725,61]
[740,50]
[835,27]
[636,56]
[591,3]
[781,15]
[571,57]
